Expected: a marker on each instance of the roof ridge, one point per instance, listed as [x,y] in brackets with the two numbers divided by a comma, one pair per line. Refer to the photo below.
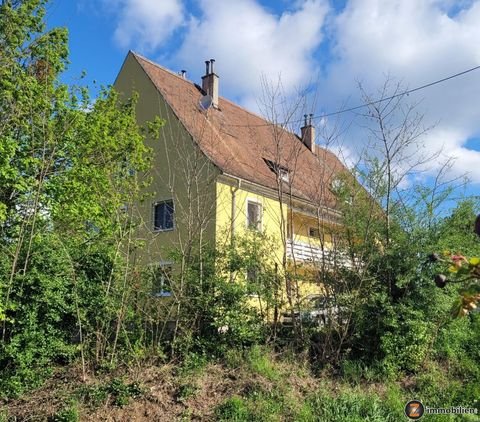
[173,73]
[206,120]
[212,131]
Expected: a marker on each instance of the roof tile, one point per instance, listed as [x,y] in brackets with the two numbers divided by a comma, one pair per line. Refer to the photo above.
[238,142]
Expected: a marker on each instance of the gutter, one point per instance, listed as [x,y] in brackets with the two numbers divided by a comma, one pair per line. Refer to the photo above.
[269,192]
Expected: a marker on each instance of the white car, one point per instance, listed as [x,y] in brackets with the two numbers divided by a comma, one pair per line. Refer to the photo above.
[313,310]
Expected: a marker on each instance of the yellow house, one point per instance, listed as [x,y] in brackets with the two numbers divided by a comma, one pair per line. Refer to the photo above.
[219,170]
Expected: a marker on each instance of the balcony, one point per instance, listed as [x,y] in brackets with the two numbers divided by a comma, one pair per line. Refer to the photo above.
[307,253]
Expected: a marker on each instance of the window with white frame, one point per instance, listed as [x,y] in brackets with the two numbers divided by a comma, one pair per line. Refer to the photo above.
[161,275]
[284,175]
[254,215]
[282,171]
[163,215]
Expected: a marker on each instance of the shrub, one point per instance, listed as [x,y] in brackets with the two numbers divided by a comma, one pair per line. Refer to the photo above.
[67,414]
[117,392]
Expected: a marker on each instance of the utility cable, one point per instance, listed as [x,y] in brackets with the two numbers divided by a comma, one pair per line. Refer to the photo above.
[381,100]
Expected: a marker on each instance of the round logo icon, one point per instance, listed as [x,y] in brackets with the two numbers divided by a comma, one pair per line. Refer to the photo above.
[414,409]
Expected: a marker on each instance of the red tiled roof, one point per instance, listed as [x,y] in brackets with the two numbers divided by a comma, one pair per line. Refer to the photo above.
[238,142]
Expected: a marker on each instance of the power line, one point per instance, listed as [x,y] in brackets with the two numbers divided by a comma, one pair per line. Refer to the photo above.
[347,110]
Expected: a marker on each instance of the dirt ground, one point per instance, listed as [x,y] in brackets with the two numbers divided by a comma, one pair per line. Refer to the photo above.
[164,397]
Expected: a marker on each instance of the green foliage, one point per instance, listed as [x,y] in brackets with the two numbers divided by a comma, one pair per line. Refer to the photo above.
[403,312]
[215,298]
[4,415]
[233,409]
[260,362]
[192,365]
[186,391]
[257,406]
[407,342]
[349,406]
[68,182]
[69,413]
[116,392]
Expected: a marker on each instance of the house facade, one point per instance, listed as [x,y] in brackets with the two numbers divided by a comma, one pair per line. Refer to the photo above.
[220,170]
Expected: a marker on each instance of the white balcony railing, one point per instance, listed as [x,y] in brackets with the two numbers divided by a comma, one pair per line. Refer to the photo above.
[304,252]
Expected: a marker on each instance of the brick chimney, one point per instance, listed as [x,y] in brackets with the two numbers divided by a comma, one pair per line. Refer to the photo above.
[210,82]
[308,133]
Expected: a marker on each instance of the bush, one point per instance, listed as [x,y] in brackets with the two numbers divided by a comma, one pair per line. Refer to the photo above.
[116,392]
[67,414]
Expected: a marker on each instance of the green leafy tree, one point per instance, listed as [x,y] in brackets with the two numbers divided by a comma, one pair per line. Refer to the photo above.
[69,179]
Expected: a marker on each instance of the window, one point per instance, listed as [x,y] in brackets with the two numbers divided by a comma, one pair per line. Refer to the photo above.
[254,215]
[161,280]
[337,185]
[163,215]
[252,274]
[282,171]
[313,232]
[284,175]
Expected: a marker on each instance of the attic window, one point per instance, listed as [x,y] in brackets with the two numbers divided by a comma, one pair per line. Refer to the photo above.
[284,175]
[337,185]
[282,171]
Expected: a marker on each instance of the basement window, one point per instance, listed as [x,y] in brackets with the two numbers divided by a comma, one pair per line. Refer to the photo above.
[163,215]
[161,276]
[252,274]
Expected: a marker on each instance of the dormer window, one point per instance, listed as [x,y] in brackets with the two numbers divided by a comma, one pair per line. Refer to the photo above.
[281,171]
[284,175]
[337,185]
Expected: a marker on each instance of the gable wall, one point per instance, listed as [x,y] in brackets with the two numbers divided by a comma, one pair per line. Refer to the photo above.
[179,172]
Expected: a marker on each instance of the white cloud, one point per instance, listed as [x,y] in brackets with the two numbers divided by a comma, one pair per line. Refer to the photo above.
[417,42]
[414,41]
[146,24]
[247,41]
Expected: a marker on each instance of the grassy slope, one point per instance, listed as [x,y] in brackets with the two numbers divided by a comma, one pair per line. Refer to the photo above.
[249,386]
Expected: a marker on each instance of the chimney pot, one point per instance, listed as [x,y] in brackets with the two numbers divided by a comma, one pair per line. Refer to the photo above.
[308,132]
[184,73]
[210,82]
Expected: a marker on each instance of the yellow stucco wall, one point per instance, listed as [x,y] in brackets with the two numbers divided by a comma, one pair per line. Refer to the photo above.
[300,225]
[271,226]
[271,215]
[180,172]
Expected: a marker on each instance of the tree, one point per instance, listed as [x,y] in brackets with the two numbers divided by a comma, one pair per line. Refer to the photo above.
[68,182]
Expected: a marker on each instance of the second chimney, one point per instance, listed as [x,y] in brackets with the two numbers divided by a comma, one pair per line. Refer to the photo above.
[210,82]
[308,133]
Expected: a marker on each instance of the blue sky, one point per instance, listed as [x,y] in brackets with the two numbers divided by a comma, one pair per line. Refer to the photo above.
[328,46]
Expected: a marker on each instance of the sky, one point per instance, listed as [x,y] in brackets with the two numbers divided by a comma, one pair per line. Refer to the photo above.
[323,47]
